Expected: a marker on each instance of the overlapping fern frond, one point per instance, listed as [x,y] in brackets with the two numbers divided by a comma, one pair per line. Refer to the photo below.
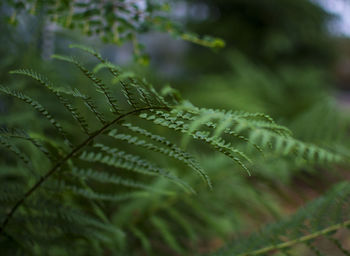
[123,148]
[319,228]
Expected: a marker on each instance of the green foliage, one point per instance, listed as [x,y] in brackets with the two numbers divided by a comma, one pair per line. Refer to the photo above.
[320,219]
[275,34]
[111,164]
[113,21]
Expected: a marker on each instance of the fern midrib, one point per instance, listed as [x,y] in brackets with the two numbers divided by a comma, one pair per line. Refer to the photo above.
[302,239]
[66,158]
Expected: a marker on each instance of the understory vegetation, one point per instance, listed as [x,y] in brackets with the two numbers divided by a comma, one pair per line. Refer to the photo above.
[233,144]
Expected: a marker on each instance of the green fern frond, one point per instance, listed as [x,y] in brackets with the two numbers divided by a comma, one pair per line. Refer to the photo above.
[93,108]
[183,155]
[219,144]
[104,177]
[88,102]
[134,163]
[170,239]
[88,50]
[129,94]
[143,238]
[182,222]
[38,107]
[243,120]
[93,195]
[223,129]
[67,214]
[11,147]
[169,151]
[148,94]
[111,67]
[264,134]
[339,245]
[311,222]
[21,134]
[98,82]
[10,193]
[64,101]
[76,175]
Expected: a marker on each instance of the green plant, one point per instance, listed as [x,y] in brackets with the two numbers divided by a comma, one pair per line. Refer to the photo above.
[323,220]
[113,21]
[68,179]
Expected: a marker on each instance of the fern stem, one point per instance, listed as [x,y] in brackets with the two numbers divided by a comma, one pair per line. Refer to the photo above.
[66,158]
[302,239]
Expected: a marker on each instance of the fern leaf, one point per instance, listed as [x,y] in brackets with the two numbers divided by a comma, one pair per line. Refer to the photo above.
[38,107]
[297,229]
[88,102]
[225,128]
[162,227]
[338,244]
[314,249]
[92,195]
[174,150]
[183,222]
[129,94]
[98,82]
[143,238]
[119,159]
[170,151]
[69,216]
[112,68]
[10,192]
[65,102]
[105,177]
[91,105]
[262,133]
[5,143]
[149,95]
[20,134]
[167,120]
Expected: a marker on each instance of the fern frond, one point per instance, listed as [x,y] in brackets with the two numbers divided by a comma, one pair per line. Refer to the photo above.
[338,244]
[149,95]
[98,82]
[224,128]
[21,134]
[38,107]
[76,176]
[76,115]
[243,120]
[170,151]
[163,228]
[104,177]
[93,195]
[129,94]
[64,101]
[169,121]
[64,214]
[175,151]
[11,147]
[262,133]
[142,237]
[122,160]
[88,102]
[9,193]
[311,222]
[115,71]
[93,108]
[183,222]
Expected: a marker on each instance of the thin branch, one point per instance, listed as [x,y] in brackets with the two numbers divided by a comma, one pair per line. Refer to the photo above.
[302,239]
[65,159]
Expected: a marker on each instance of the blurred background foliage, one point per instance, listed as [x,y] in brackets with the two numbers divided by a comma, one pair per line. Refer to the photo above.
[280,58]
